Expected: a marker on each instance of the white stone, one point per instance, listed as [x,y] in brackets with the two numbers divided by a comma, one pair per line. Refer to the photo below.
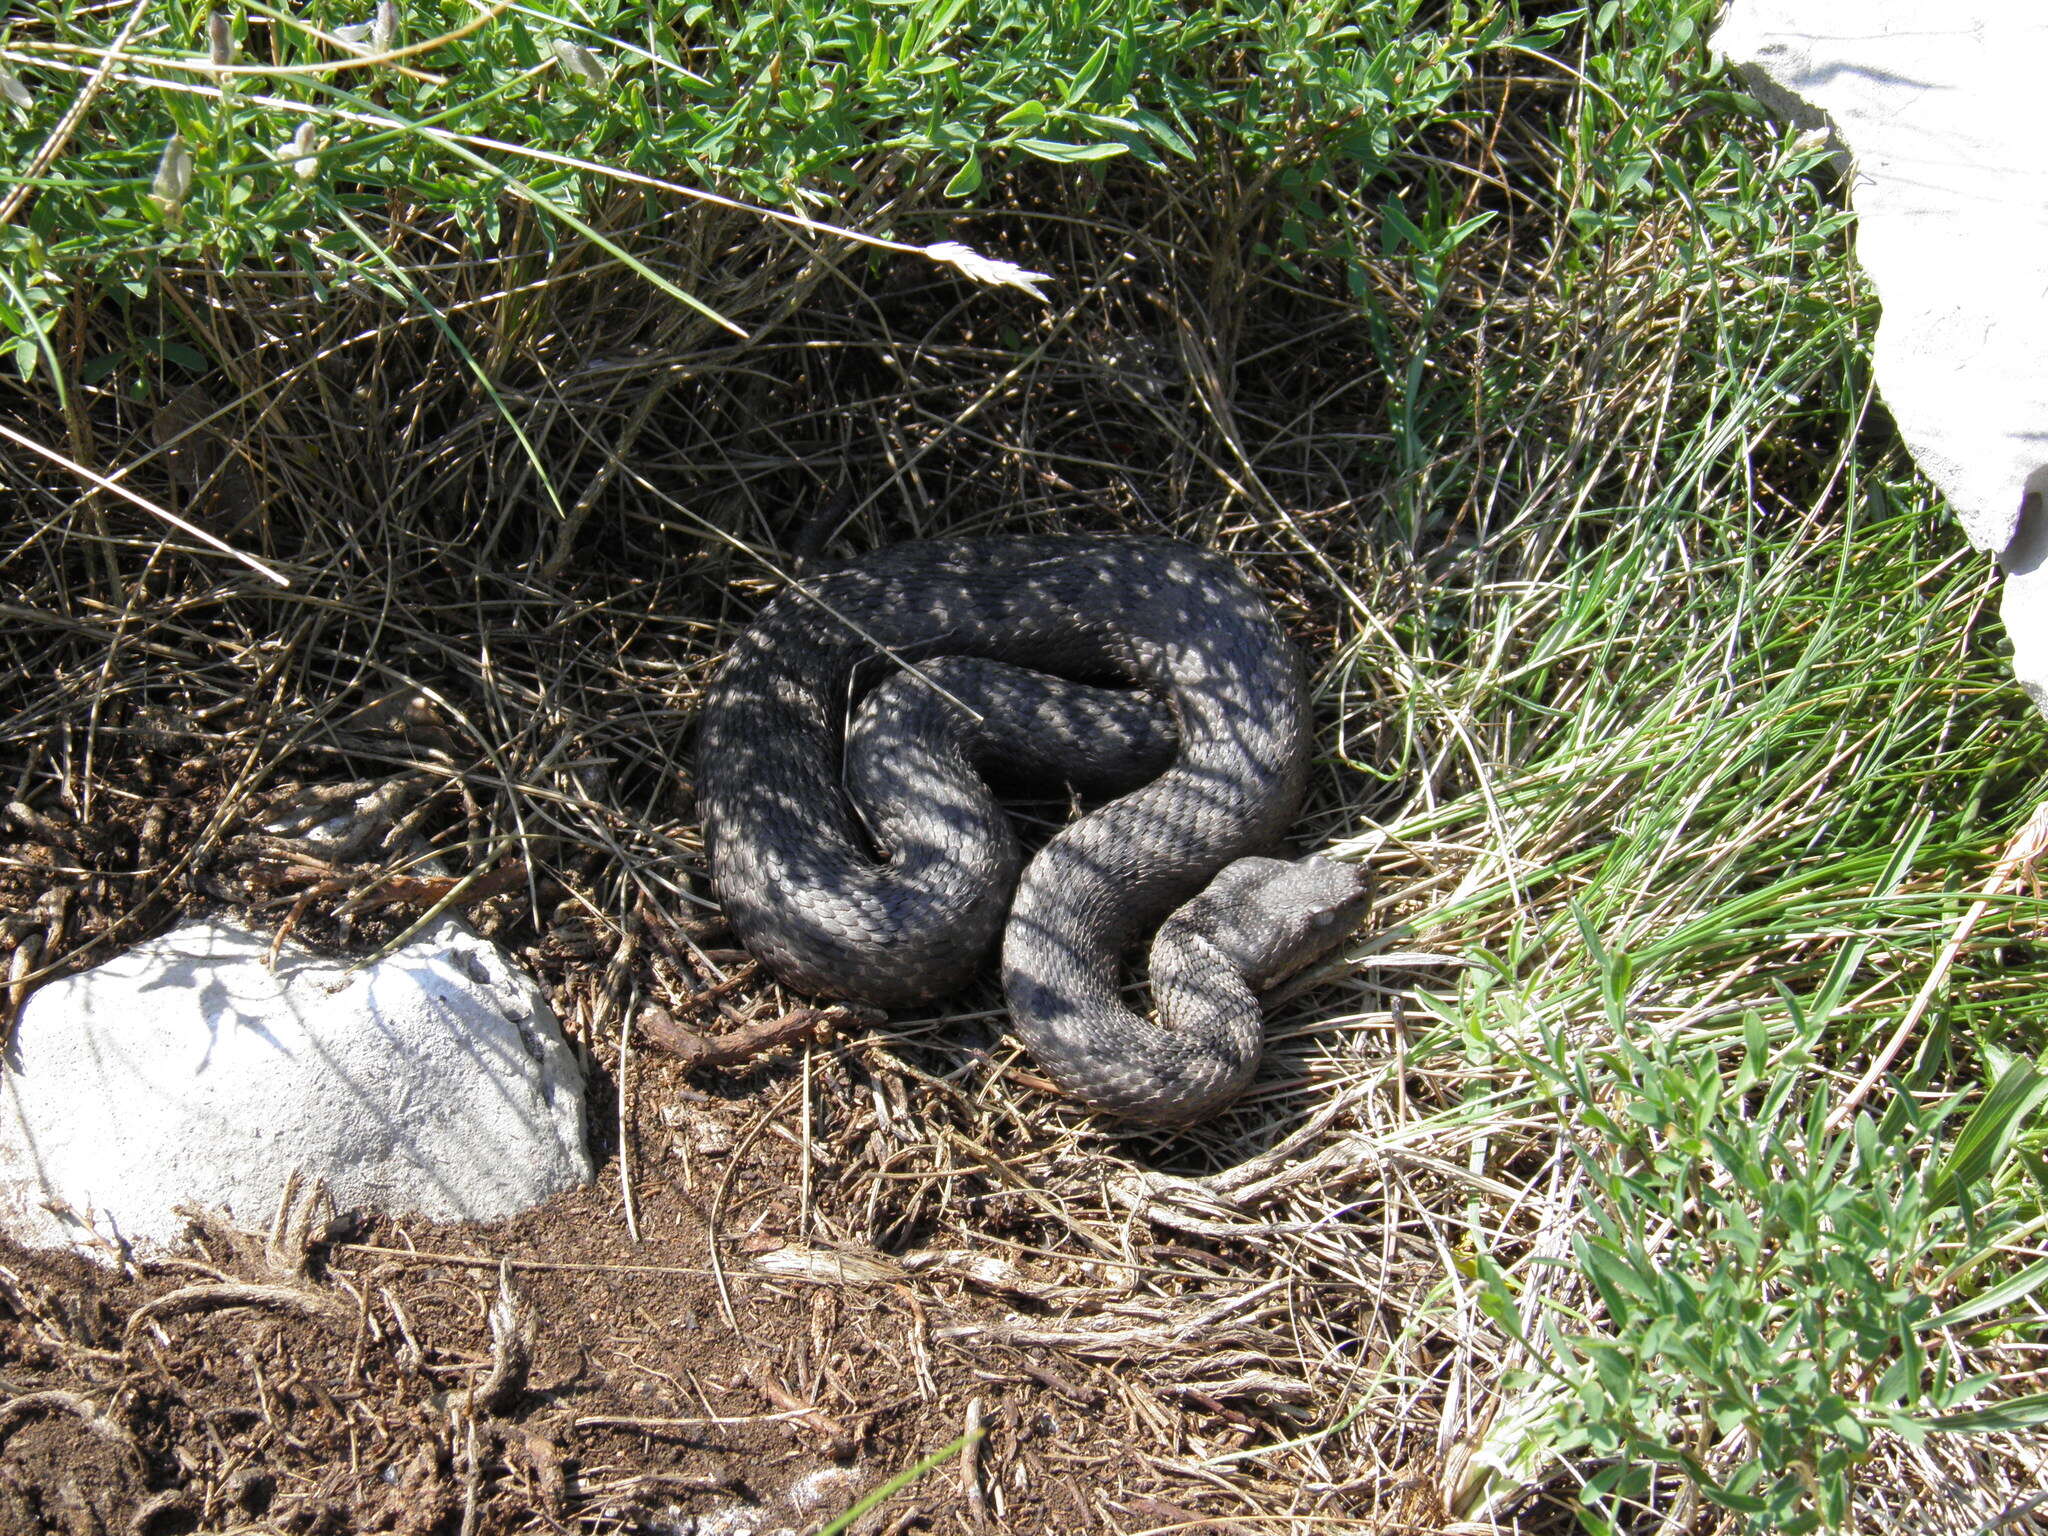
[188,1071]
[1937,107]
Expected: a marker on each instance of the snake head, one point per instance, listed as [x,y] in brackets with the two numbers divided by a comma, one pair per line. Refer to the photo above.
[1271,917]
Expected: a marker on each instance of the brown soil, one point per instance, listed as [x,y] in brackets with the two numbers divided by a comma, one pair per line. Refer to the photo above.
[770,1350]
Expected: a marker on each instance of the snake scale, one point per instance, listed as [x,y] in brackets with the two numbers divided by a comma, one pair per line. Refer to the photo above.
[857,847]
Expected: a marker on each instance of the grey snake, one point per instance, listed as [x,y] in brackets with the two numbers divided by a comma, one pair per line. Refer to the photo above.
[858,849]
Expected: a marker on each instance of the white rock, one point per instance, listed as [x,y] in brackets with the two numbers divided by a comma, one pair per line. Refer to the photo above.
[1938,109]
[187,1071]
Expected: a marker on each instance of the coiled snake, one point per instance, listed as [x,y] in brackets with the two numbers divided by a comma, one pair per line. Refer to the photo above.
[859,851]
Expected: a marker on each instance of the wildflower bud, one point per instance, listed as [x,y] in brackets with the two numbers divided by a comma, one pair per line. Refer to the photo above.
[173,175]
[579,61]
[384,30]
[301,146]
[220,38]
[12,88]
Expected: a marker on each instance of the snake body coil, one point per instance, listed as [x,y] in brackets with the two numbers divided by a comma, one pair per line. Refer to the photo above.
[858,850]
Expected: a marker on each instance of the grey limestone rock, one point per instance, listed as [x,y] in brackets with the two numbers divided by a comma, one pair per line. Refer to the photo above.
[193,1071]
[1938,109]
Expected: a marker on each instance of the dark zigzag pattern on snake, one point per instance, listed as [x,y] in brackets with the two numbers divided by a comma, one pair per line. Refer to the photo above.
[887,879]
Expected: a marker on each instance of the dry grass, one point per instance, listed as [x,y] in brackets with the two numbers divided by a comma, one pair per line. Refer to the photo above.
[441,620]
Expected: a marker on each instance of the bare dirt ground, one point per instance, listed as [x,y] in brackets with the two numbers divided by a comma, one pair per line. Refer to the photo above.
[767,1391]
[753,1362]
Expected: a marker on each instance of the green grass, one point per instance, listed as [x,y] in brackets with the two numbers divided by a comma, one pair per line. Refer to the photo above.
[1728,749]
[1666,696]
[1740,787]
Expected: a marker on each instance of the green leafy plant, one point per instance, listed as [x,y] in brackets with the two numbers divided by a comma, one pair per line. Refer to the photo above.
[243,138]
[1767,1271]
